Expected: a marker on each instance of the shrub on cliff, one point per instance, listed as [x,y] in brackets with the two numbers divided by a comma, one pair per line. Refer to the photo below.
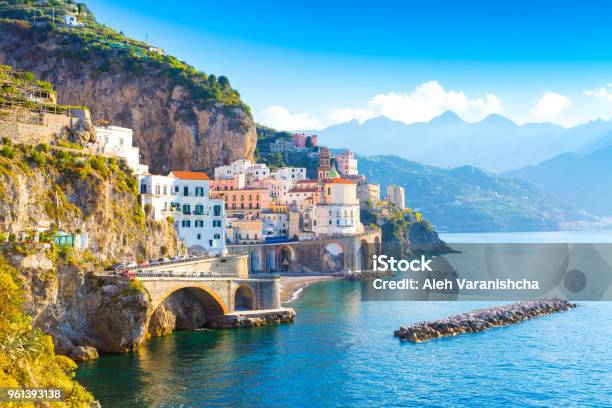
[27,357]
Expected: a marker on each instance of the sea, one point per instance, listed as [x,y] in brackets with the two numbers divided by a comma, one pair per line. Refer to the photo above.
[340,351]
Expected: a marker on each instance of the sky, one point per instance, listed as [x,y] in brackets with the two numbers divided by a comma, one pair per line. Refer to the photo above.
[312,64]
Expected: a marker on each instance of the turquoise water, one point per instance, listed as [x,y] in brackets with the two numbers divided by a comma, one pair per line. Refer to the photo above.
[341,352]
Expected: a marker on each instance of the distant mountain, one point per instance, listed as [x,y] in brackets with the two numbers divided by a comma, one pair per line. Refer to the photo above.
[466,199]
[584,181]
[495,144]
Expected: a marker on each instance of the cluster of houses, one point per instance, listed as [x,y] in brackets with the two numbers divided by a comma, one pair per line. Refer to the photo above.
[250,203]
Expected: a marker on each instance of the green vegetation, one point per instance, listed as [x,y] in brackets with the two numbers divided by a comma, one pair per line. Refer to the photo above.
[27,357]
[120,53]
[467,199]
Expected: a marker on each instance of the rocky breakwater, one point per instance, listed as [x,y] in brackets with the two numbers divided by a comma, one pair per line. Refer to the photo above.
[482,319]
[254,318]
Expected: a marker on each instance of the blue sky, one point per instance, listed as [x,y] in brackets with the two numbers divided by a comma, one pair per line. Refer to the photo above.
[311,64]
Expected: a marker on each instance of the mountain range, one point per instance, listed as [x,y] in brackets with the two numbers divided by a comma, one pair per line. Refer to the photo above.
[582,180]
[466,199]
[496,144]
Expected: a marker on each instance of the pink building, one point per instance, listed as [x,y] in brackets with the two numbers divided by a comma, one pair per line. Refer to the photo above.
[299,140]
[222,184]
[244,199]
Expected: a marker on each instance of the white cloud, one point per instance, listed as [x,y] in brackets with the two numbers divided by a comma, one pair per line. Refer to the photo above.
[425,102]
[600,93]
[279,117]
[551,104]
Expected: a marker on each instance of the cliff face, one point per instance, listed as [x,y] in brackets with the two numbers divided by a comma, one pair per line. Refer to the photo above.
[173,128]
[87,194]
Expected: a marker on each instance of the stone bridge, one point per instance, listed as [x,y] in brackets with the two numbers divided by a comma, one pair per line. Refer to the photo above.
[327,254]
[221,286]
[218,295]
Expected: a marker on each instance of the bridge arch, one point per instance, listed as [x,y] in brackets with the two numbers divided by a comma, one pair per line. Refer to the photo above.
[202,304]
[285,258]
[257,260]
[244,298]
[366,251]
[334,257]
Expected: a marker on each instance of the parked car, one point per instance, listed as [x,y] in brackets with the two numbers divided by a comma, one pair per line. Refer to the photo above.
[132,264]
[128,274]
[119,266]
[153,261]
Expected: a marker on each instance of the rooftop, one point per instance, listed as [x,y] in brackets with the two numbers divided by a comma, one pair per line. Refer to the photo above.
[339,180]
[189,175]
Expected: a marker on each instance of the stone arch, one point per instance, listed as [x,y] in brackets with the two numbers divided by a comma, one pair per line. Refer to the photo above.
[257,260]
[377,246]
[203,304]
[366,251]
[285,258]
[334,257]
[244,298]
[270,259]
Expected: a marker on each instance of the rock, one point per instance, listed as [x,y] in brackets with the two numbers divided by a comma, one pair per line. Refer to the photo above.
[173,125]
[253,319]
[479,320]
[84,353]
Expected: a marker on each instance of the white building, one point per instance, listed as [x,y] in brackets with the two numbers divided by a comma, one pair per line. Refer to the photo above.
[346,163]
[117,141]
[72,21]
[338,210]
[395,195]
[184,196]
[290,173]
[279,189]
[275,224]
[252,171]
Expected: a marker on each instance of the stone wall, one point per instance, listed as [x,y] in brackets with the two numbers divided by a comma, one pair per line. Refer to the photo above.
[52,126]
[228,265]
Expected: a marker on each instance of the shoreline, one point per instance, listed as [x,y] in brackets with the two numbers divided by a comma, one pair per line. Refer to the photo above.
[292,287]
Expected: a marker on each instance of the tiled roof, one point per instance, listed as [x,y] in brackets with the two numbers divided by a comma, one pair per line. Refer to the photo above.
[190,175]
[339,180]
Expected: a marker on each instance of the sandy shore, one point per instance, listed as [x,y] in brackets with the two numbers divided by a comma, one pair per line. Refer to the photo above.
[292,287]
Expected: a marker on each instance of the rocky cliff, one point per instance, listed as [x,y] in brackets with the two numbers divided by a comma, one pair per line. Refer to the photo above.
[403,238]
[40,187]
[176,124]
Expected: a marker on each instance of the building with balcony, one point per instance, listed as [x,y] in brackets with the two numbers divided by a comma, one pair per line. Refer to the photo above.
[184,195]
[338,209]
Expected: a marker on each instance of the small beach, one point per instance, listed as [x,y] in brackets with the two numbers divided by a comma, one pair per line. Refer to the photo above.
[292,287]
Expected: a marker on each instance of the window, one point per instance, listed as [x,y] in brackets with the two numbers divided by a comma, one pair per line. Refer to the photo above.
[176,189]
[199,223]
[217,223]
[199,236]
[165,190]
[217,236]
[330,222]
[185,191]
[199,209]
[186,209]
[217,210]
[157,191]
[337,222]
[185,223]
[143,189]
[199,191]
